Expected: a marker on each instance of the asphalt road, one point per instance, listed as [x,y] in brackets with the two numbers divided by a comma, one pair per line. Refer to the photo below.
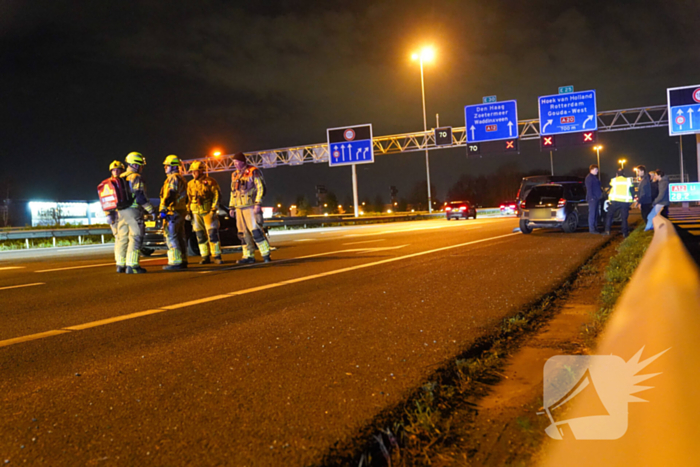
[256,365]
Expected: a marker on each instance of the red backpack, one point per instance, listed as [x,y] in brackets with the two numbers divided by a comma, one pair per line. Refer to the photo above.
[114,194]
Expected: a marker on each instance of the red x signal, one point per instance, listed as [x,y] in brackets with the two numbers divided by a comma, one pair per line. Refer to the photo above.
[587,137]
[548,141]
[510,144]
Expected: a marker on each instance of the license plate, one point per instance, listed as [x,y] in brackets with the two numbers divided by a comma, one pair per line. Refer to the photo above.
[150,224]
[540,213]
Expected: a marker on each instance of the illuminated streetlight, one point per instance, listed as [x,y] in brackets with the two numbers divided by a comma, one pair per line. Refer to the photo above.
[622,163]
[427,55]
[597,150]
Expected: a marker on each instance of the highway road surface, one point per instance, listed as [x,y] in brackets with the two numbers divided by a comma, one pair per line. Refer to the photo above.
[251,365]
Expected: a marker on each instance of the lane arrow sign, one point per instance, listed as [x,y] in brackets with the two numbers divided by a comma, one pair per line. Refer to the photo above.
[690,117]
[510,128]
[590,117]
[473,128]
[549,122]
[349,152]
[342,148]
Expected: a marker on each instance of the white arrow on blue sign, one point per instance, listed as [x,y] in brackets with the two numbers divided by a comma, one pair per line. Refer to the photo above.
[683,110]
[568,113]
[491,122]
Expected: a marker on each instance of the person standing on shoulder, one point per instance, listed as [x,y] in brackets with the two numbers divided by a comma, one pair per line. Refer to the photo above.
[131,228]
[644,192]
[593,195]
[116,168]
[247,191]
[621,197]
[203,193]
[173,209]
[661,201]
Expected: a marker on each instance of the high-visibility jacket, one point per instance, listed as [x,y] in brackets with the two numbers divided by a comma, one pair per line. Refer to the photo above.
[247,188]
[173,194]
[620,190]
[203,195]
[138,190]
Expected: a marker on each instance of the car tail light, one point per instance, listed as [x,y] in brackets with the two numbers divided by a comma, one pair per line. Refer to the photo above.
[512,206]
[561,203]
[448,208]
[522,204]
[503,206]
[462,208]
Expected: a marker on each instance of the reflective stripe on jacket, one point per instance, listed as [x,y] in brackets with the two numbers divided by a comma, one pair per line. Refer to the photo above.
[246,188]
[173,194]
[203,195]
[620,190]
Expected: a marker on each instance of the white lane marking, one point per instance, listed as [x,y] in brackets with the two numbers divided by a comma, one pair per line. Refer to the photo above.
[414,229]
[93,324]
[366,241]
[95,265]
[304,240]
[23,285]
[278,261]
[11,267]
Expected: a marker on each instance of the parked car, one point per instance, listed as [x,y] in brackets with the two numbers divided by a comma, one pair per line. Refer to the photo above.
[509,208]
[554,205]
[528,183]
[460,210]
[155,240]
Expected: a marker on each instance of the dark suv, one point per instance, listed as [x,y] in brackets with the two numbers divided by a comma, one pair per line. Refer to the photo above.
[460,210]
[553,205]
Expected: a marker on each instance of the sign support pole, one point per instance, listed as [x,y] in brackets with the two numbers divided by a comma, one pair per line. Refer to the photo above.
[697,148]
[551,162]
[354,190]
[680,150]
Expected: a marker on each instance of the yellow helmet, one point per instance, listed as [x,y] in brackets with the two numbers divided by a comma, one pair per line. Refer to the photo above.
[196,165]
[116,165]
[135,158]
[172,160]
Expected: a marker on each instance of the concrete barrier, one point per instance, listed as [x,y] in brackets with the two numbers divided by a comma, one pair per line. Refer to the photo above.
[655,330]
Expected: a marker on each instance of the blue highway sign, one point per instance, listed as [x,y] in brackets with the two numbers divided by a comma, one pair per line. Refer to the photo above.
[350,145]
[683,110]
[568,113]
[491,122]
[684,192]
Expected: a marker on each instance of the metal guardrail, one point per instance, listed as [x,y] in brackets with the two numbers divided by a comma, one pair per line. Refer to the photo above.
[318,221]
[658,313]
[50,233]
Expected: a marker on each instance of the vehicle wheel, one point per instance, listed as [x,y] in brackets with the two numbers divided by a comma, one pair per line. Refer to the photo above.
[474,216]
[524,228]
[570,223]
[147,251]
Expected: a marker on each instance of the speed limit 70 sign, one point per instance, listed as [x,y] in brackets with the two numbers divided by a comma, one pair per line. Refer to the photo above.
[443,136]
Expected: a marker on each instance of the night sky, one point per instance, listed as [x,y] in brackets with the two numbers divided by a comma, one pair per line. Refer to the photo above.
[84,83]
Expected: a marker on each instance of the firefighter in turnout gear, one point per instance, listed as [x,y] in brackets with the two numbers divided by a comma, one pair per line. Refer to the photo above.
[247,191]
[116,168]
[203,193]
[621,197]
[131,229]
[173,209]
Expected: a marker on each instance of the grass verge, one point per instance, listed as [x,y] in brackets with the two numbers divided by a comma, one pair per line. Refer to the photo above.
[617,274]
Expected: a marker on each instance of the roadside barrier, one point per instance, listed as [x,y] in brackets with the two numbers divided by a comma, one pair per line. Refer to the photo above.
[280,222]
[657,319]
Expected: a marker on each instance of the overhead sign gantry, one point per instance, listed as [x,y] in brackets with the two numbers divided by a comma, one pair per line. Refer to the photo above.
[350,145]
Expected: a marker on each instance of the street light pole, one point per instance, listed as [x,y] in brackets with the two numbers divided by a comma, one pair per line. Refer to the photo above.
[425,128]
[597,150]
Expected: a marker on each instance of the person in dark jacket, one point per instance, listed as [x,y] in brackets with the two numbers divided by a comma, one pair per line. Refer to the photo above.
[644,198]
[661,201]
[593,195]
